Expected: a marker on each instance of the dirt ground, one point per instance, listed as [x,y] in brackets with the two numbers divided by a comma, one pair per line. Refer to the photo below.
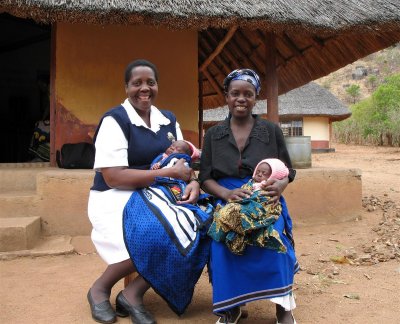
[350,272]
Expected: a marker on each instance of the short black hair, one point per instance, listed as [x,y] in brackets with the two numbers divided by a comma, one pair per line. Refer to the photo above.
[136,63]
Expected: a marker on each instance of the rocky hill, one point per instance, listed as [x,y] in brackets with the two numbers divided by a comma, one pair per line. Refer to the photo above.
[368,72]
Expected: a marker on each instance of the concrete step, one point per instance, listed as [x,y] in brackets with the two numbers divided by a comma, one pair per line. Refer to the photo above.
[19,233]
[19,176]
[46,245]
[18,203]
[59,197]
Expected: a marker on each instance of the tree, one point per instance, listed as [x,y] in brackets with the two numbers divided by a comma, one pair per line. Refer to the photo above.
[353,91]
[372,80]
[386,100]
[374,119]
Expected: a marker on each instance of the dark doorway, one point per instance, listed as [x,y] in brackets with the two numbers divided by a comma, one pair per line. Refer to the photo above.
[24,86]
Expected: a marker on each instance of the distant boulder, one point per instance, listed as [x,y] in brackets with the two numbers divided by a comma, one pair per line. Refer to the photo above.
[359,73]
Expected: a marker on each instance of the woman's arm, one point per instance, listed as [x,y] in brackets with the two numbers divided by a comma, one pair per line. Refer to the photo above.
[212,187]
[129,179]
[112,160]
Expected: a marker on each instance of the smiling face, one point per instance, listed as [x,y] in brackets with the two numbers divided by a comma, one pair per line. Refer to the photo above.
[263,172]
[241,98]
[142,88]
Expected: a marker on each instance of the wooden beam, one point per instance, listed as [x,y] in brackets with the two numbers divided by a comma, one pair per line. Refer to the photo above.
[53,102]
[271,77]
[257,57]
[319,43]
[200,112]
[214,84]
[211,95]
[230,57]
[202,54]
[219,48]
[292,46]
[206,44]
[219,58]
[280,57]
[246,56]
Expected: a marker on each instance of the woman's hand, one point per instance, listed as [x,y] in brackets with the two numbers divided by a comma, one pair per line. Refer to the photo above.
[237,194]
[181,171]
[274,189]
[191,193]
[213,188]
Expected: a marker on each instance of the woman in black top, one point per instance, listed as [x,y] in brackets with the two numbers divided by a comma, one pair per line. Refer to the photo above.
[230,153]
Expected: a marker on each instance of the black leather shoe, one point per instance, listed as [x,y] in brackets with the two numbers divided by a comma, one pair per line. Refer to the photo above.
[102,312]
[139,314]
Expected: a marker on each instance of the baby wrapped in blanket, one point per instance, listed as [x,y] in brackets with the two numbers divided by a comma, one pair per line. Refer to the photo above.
[250,221]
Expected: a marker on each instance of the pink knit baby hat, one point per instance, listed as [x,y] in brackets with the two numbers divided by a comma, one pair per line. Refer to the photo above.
[195,152]
[278,168]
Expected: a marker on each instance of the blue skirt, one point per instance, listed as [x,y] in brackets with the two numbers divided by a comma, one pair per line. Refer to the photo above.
[260,273]
[167,242]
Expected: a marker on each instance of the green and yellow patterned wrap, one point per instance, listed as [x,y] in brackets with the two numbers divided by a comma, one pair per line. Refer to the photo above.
[249,221]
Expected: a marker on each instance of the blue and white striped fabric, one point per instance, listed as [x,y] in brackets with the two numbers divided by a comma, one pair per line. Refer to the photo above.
[167,242]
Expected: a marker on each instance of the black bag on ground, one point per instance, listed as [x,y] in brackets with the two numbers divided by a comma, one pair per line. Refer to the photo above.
[76,156]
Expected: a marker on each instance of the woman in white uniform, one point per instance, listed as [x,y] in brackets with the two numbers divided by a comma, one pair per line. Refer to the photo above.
[128,138]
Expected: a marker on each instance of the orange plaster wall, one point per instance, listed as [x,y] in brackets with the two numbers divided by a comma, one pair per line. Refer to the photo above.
[70,129]
[90,65]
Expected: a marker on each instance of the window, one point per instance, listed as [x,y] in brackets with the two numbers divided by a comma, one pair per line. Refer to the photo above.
[292,127]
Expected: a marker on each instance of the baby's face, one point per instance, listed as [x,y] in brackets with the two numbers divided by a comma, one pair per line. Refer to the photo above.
[263,172]
[178,147]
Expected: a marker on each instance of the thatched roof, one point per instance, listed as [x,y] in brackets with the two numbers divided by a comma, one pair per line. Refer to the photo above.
[201,14]
[313,37]
[309,100]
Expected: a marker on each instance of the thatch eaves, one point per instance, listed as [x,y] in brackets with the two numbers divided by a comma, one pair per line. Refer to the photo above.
[312,38]
[310,100]
[274,15]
